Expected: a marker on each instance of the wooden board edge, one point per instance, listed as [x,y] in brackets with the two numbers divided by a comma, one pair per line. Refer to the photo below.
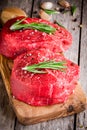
[65,109]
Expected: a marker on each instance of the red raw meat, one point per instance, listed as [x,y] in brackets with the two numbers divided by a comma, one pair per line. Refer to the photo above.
[16,42]
[50,88]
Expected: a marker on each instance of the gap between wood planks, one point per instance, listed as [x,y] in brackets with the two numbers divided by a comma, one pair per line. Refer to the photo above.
[32,8]
[79,50]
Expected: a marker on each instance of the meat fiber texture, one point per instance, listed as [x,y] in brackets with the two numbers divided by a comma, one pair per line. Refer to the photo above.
[16,42]
[50,88]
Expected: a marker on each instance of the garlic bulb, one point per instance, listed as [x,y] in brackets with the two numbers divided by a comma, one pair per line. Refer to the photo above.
[44,15]
[64,3]
[11,12]
[47,5]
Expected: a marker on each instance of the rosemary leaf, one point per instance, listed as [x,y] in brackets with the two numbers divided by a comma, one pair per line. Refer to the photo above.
[59,24]
[36,68]
[51,11]
[35,26]
[73,9]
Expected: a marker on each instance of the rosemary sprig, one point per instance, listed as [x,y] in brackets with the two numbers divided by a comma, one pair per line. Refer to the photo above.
[59,24]
[51,11]
[35,26]
[36,68]
[73,9]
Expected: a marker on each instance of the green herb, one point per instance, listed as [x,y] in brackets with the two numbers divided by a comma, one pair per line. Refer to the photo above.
[36,68]
[36,26]
[51,11]
[73,9]
[59,24]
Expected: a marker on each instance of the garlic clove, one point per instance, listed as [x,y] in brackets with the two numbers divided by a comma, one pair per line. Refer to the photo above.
[11,12]
[44,15]
[64,3]
[47,5]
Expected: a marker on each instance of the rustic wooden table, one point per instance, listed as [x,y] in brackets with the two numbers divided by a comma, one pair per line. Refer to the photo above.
[77,53]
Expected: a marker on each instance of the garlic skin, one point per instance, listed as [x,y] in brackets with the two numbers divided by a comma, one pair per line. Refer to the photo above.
[47,5]
[64,3]
[44,15]
[11,12]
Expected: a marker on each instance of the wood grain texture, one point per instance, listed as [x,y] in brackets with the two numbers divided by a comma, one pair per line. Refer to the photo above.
[7,115]
[82,117]
[28,114]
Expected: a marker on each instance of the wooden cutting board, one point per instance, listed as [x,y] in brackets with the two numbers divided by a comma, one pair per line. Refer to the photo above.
[27,114]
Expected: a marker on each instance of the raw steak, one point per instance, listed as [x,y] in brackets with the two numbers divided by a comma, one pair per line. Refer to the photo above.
[16,42]
[53,87]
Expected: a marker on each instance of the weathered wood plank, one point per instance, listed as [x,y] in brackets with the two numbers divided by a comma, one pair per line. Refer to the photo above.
[82,117]
[7,117]
[49,125]
[72,53]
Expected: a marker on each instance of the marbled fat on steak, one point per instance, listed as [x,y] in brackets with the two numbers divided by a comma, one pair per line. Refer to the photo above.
[53,87]
[19,41]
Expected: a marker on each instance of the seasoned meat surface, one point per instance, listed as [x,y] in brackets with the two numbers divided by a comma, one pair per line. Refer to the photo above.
[52,87]
[17,42]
